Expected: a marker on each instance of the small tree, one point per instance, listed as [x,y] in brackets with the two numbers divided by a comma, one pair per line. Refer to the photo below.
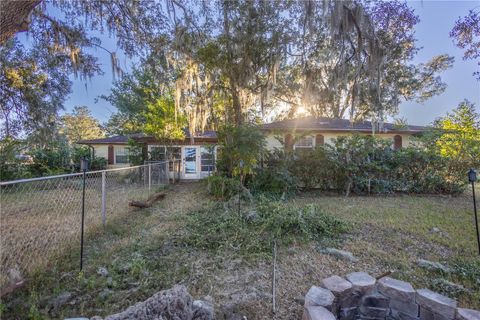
[80,125]
[162,121]
[243,143]
[459,136]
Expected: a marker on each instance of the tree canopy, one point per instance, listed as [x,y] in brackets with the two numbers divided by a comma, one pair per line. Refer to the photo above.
[232,62]
[80,125]
[466,35]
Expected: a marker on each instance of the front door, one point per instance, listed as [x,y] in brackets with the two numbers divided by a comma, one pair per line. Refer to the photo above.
[190,165]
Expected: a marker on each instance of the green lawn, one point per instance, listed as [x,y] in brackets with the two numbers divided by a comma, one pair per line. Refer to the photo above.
[144,252]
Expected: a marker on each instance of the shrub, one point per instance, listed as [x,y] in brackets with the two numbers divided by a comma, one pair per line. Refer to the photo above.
[362,165]
[269,180]
[311,169]
[222,187]
[242,143]
[98,163]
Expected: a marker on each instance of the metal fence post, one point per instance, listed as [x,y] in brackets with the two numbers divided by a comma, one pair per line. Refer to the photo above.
[104,198]
[149,176]
[167,175]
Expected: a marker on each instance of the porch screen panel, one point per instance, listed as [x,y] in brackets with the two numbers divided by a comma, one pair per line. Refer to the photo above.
[207,159]
[158,153]
[173,153]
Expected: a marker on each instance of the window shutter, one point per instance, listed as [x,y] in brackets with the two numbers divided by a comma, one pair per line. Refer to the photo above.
[397,142]
[319,140]
[288,142]
[110,154]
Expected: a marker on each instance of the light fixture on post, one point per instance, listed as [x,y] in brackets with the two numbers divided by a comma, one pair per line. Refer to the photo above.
[472,178]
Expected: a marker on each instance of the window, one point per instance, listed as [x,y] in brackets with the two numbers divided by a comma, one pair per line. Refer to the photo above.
[121,155]
[305,142]
[207,159]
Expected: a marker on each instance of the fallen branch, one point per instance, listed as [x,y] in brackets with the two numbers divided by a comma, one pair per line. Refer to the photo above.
[150,201]
[383,275]
[12,287]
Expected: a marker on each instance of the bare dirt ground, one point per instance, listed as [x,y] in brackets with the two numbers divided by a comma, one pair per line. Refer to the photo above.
[143,254]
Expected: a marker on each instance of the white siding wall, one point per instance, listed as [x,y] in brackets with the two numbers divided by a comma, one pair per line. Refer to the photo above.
[272,142]
[101,150]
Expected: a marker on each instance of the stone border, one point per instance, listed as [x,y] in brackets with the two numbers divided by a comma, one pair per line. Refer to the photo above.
[362,297]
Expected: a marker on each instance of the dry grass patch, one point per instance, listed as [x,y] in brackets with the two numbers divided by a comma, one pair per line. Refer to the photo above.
[149,250]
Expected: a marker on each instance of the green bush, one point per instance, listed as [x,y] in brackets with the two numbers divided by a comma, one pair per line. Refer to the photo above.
[252,232]
[269,180]
[239,144]
[362,165]
[222,187]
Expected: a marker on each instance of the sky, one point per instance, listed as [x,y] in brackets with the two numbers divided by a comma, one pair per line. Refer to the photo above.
[436,20]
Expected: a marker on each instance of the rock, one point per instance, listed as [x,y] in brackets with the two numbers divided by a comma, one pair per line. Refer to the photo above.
[376,300]
[436,303]
[317,296]
[430,265]
[337,285]
[317,313]
[347,313]
[429,315]
[174,303]
[396,289]
[203,310]
[373,312]
[398,315]
[467,314]
[61,299]
[14,276]
[102,271]
[361,281]
[79,318]
[409,308]
[435,230]
[341,254]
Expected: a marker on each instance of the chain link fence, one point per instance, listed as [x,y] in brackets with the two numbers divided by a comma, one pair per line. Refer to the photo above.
[41,217]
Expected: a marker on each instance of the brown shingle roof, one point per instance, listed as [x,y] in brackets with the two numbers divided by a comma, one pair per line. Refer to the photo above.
[112,140]
[329,124]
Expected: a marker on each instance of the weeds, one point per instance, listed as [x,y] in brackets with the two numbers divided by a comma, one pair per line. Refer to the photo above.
[252,231]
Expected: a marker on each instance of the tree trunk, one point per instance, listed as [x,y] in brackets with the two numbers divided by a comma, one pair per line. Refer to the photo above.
[237,108]
[15,17]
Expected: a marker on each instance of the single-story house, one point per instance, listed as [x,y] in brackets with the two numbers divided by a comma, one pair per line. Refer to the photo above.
[114,149]
[196,156]
[309,132]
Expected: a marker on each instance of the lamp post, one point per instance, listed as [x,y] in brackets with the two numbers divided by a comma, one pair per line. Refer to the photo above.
[83,168]
[472,177]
